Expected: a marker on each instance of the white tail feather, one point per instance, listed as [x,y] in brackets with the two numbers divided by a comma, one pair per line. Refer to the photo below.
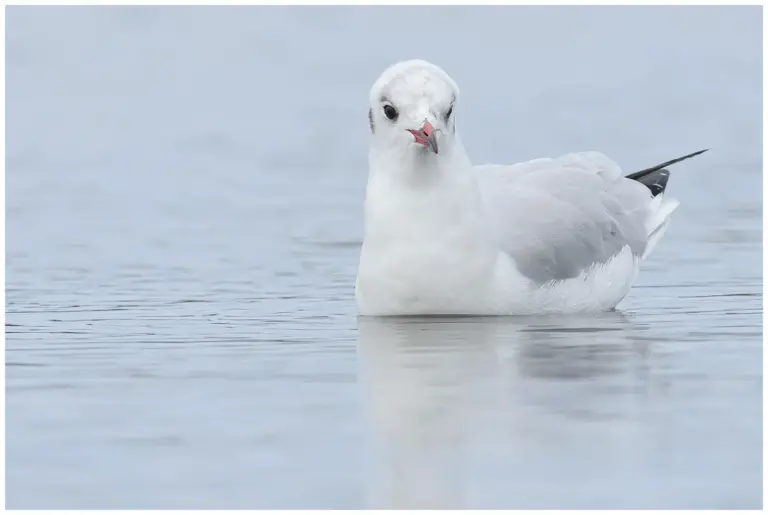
[661,210]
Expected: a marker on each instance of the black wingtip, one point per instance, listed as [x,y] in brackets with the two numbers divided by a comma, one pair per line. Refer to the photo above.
[655,181]
[642,173]
[656,177]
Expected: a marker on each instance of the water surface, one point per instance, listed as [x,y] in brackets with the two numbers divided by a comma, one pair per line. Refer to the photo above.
[184,200]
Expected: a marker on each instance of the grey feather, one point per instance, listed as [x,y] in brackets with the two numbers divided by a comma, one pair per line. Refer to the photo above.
[559,217]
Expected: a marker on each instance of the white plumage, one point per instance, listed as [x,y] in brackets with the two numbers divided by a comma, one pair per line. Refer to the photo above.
[445,237]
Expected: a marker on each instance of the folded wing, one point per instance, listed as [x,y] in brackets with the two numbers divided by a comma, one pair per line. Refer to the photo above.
[557,218]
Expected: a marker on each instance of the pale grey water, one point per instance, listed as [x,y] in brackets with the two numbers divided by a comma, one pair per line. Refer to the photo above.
[184,195]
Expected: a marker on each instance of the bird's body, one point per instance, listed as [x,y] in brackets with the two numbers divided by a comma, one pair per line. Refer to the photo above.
[444,237]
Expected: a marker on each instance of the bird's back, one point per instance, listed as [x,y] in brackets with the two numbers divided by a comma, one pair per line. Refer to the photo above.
[558,217]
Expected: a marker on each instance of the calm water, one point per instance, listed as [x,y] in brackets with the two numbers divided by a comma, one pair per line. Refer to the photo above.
[184,195]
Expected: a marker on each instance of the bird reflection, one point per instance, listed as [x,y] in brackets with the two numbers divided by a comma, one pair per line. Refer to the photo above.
[442,393]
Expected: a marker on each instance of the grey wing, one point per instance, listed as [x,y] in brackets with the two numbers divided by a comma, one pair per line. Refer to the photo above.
[558,217]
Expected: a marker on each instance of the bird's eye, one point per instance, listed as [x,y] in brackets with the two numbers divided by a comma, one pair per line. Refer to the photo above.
[390,112]
[449,113]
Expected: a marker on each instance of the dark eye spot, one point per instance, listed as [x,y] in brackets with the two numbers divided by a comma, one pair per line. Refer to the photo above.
[449,113]
[390,112]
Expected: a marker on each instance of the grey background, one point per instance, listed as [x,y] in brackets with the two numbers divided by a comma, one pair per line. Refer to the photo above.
[184,210]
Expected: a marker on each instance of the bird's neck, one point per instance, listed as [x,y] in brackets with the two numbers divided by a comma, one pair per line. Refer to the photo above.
[412,195]
[419,169]
[426,235]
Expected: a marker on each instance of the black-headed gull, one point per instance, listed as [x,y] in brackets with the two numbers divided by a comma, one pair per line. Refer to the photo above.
[444,237]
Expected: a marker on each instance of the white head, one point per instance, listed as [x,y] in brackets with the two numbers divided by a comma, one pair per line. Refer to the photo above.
[412,110]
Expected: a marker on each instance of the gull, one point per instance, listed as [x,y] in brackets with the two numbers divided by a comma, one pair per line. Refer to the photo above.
[445,237]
